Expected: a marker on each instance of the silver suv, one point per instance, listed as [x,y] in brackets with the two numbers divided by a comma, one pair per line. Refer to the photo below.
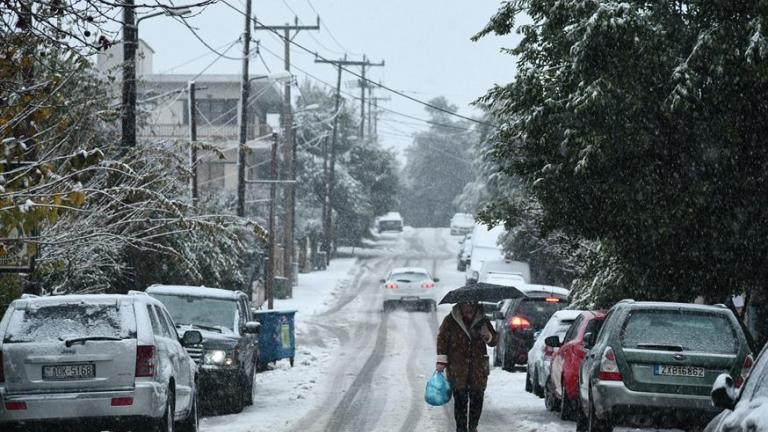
[97,362]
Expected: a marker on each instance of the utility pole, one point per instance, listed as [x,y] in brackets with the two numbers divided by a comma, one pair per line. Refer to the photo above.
[245,87]
[370,111]
[289,149]
[130,42]
[375,114]
[192,109]
[270,282]
[363,85]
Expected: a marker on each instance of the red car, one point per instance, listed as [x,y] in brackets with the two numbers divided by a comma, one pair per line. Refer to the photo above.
[563,384]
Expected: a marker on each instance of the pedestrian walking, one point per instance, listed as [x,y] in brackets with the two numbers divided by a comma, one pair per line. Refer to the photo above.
[462,353]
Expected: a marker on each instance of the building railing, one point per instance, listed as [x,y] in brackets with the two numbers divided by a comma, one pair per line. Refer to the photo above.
[204,132]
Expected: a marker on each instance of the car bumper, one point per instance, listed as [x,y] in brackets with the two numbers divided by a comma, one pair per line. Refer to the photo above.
[149,400]
[408,297]
[612,399]
[214,383]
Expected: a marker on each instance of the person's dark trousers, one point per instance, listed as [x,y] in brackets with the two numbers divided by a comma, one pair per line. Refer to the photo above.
[467,407]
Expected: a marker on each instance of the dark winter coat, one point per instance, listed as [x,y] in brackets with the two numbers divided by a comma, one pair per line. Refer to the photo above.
[464,350]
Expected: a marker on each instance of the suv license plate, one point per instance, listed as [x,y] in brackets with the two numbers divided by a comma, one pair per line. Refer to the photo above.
[69,372]
[684,371]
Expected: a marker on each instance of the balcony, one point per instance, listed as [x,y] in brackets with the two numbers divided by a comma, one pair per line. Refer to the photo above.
[210,133]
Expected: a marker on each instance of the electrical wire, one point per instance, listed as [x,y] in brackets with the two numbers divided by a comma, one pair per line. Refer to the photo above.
[330,33]
[367,80]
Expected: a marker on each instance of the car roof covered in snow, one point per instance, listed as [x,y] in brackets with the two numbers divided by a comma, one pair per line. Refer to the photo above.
[409,270]
[28,300]
[194,291]
[532,290]
[567,315]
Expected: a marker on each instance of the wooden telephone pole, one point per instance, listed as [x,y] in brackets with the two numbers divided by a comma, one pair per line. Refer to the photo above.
[289,149]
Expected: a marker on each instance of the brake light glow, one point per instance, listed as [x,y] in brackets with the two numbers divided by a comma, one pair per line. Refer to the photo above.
[748,362]
[609,369]
[552,300]
[427,284]
[145,361]
[122,401]
[16,406]
[519,323]
[391,285]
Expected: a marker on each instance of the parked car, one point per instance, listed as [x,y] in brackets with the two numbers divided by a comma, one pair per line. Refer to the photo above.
[462,223]
[505,279]
[229,354]
[655,363]
[745,411]
[410,286]
[97,362]
[504,267]
[540,355]
[465,253]
[563,382]
[519,320]
[391,221]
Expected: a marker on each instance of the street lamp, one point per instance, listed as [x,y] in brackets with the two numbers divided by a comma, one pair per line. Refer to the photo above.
[130,43]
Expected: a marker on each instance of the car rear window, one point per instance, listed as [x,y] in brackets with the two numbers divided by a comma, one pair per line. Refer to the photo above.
[409,277]
[680,330]
[51,322]
[538,311]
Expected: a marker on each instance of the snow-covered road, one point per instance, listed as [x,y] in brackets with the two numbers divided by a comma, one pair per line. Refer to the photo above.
[359,369]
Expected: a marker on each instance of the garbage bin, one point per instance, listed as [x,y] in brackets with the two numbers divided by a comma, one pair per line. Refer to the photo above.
[281,287]
[277,339]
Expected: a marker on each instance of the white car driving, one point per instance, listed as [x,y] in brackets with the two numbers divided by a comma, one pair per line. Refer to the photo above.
[410,286]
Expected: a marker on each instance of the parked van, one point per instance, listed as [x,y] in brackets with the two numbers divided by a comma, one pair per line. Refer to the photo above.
[504,268]
[485,247]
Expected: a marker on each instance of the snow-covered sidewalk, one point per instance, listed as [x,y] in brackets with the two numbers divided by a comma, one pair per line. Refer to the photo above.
[286,393]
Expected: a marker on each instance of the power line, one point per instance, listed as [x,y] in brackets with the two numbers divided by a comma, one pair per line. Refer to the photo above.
[198,37]
[377,84]
[330,33]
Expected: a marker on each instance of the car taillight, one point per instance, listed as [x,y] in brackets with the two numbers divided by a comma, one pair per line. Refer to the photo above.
[2,372]
[519,323]
[122,401]
[16,406]
[391,285]
[427,284]
[748,362]
[609,369]
[145,361]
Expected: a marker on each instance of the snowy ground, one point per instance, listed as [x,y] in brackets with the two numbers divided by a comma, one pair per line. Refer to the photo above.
[359,369]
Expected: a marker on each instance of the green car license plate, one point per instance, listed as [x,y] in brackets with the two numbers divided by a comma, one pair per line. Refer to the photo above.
[674,370]
[69,372]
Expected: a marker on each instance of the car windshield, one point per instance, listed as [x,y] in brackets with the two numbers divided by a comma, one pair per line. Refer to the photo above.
[757,384]
[538,312]
[62,321]
[211,313]
[680,331]
[409,277]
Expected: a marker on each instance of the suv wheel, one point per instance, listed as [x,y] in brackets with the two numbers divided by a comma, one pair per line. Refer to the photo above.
[237,400]
[166,422]
[594,424]
[567,406]
[249,388]
[528,386]
[507,362]
[191,423]
[537,389]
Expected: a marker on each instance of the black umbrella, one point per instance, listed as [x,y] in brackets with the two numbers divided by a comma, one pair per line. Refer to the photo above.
[481,292]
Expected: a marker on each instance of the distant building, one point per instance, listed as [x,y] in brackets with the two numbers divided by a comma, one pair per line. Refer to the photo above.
[163,115]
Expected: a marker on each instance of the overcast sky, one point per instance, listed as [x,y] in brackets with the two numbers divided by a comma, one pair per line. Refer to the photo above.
[425,44]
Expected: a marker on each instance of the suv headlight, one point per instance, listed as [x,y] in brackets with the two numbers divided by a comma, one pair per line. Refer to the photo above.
[223,358]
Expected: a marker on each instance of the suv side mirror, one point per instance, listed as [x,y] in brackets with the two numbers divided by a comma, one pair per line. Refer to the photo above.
[252,327]
[589,340]
[191,337]
[724,392]
[436,279]
[552,341]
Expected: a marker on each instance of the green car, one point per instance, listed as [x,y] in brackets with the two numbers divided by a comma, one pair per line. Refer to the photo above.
[653,364]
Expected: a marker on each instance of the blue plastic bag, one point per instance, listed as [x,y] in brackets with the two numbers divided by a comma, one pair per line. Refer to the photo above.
[438,391]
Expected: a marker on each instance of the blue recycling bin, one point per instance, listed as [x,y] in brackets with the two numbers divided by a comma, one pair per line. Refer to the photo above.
[277,339]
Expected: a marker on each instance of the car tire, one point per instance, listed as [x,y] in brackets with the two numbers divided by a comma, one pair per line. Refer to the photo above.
[432,306]
[550,400]
[595,424]
[538,390]
[581,418]
[191,423]
[567,406]
[249,388]
[528,386]
[237,400]
[507,362]
[166,423]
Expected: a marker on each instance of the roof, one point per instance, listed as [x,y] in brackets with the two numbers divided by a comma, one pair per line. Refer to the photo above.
[194,291]
[391,216]
[567,314]
[409,270]
[672,306]
[534,290]
[76,298]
